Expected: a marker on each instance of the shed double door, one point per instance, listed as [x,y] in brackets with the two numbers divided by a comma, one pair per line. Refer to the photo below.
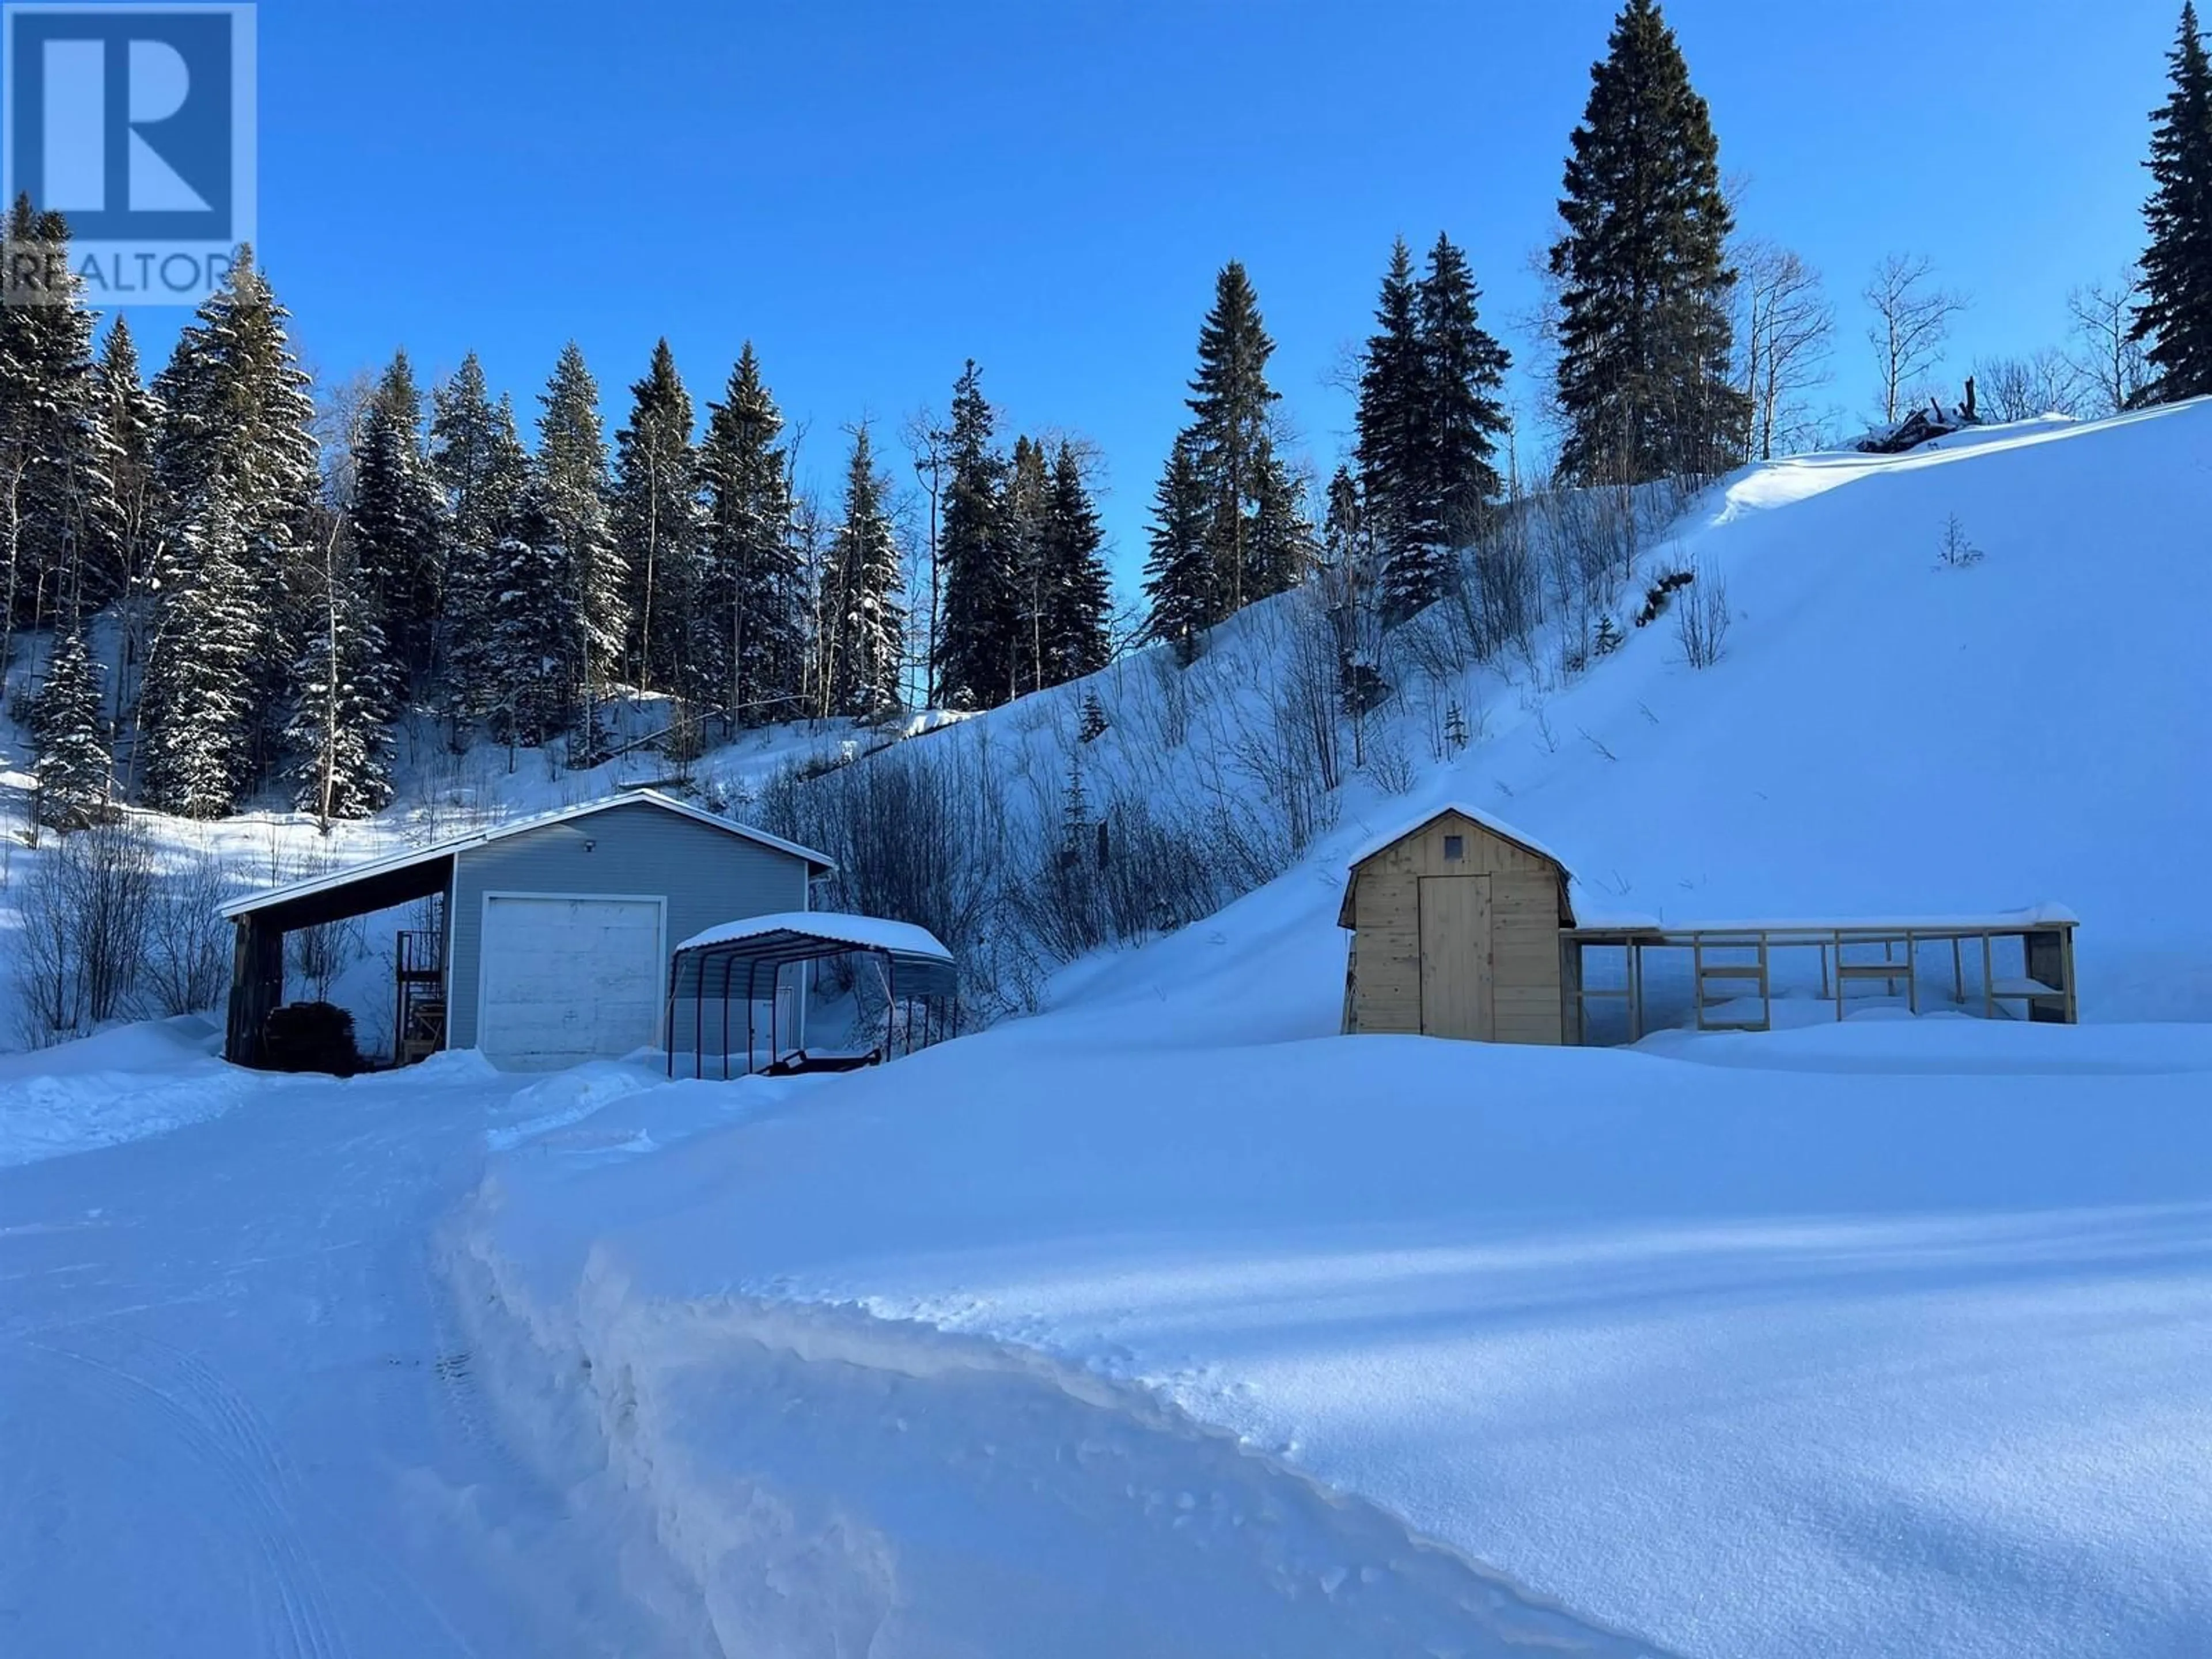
[1455,965]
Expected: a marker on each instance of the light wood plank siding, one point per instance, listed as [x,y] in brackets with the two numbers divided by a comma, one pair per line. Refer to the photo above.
[1525,915]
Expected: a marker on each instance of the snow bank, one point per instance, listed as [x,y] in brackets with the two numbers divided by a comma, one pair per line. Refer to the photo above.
[1882,1339]
[123,1084]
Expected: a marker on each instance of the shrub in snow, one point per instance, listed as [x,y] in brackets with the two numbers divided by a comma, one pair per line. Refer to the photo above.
[1955,550]
[1701,621]
[312,1036]
[85,913]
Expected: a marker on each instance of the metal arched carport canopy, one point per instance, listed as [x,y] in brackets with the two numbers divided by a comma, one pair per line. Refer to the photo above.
[724,974]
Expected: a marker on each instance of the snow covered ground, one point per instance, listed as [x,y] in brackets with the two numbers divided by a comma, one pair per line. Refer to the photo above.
[1168,1321]
[1880,1339]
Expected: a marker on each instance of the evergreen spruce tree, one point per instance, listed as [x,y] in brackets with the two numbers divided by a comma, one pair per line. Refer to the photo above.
[1182,579]
[2175,317]
[655,525]
[976,640]
[1078,593]
[753,630]
[868,630]
[572,479]
[1464,370]
[204,687]
[1021,518]
[463,441]
[396,531]
[70,750]
[59,531]
[1644,336]
[130,418]
[1393,447]
[339,745]
[515,624]
[1257,535]
[236,462]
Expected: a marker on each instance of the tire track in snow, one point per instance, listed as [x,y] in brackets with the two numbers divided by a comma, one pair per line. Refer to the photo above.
[227,1436]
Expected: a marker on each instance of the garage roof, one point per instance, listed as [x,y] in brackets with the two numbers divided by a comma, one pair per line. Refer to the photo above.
[817,864]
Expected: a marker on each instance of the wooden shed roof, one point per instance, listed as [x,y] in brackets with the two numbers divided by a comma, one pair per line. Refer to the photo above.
[1381,844]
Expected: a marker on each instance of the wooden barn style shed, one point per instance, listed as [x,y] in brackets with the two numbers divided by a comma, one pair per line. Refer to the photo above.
[1462,927]
[1456,932]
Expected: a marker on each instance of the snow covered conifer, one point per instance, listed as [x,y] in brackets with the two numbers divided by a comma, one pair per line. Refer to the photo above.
[752,631]
[71,752]
[977,638]
[1078,593]
[201,700]
[2175,316]
[1023,515]
[1644,334]
[236,462]
[395,522]
[1181,579]
[339,747]
[57,514]
[572,479]
[868,628]
[655,524]
[527,619]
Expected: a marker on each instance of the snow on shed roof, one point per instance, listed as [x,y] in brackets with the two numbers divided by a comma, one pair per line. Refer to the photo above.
[817,863]
[861,932]
[1496,826]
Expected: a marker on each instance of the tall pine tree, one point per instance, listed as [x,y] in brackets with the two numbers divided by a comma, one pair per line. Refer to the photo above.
[396,533]
[236,464]
[867,635]
[572,469]
[339,745]
[206,685]
[70,749]
[59,533]
[1023,513]
[1644,336]
[977,638]
[1181,578]
[1078,593]
[1258,536]
[1396,462]
[132,419]
[753,626]
[655,525]
[2175,316]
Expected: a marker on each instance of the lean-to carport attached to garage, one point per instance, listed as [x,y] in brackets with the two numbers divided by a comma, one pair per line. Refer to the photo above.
[549,937]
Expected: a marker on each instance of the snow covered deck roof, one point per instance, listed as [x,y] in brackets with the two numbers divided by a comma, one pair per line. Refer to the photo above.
[920,965]
[818,863]
[2033,918]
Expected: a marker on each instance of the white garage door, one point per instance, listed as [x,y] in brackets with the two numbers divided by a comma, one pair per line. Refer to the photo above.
[567,980]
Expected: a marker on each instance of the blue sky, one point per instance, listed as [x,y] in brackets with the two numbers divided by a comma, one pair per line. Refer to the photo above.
[873,192]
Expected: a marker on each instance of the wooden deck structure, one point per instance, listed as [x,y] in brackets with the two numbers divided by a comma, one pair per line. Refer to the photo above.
[1462,927]
[1732,966]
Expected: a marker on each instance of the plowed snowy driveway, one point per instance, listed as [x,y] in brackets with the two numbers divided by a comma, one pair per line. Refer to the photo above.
[234,1417]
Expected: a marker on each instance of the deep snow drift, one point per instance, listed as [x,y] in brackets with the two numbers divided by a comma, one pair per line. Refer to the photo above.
[1885,1339]
[1169,1322]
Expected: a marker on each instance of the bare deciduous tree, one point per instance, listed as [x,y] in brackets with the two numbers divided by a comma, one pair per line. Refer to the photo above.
[2110,359]
[2045,382]
[1911,320]
[1785,330]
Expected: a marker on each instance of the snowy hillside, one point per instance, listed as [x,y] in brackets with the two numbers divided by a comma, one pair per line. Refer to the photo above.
[1166,1320]
[1869,1339]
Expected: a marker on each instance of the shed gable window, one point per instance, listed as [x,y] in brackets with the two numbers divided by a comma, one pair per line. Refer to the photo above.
[1455,848]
